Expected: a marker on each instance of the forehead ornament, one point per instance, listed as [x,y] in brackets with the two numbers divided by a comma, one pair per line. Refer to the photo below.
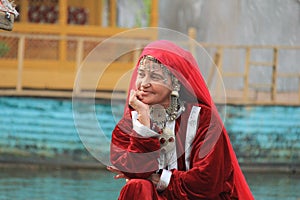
[151,64]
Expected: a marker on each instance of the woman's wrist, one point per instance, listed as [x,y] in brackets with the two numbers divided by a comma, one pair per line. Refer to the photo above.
[155,178]
[143,117]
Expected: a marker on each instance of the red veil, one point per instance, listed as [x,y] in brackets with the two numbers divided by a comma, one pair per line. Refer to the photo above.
[182,64]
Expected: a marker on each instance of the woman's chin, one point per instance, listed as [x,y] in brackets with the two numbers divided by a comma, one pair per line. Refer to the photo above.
[147,100]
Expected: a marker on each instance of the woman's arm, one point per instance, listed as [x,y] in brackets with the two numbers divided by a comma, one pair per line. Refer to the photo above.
[131,152]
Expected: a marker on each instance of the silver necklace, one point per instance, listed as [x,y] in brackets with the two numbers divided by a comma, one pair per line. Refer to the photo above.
[158,116]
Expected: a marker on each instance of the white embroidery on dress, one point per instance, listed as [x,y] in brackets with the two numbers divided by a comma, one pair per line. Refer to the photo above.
[191,131]
[168,155]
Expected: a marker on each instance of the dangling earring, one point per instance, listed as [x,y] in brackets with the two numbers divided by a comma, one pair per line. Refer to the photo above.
[176,87]
[172,110]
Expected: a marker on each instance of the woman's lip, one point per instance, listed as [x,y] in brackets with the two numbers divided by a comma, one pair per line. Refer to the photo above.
[145,92]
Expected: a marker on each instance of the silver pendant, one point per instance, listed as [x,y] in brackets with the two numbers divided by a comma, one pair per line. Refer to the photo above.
[158,115]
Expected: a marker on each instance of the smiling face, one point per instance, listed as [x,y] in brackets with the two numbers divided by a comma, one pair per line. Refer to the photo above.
[153,83]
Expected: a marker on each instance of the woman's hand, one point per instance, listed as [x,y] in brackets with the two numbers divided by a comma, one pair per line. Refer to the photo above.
[135,101]
[154,178]
[118,173]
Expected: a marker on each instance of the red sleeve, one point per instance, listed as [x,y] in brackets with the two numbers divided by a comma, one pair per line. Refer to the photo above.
[134,155]
[210,171]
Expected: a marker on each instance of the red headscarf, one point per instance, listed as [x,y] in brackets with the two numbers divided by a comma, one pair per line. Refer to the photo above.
[193,90]
[182,64]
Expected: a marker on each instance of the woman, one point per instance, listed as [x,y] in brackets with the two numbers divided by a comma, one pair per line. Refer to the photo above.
[171,142]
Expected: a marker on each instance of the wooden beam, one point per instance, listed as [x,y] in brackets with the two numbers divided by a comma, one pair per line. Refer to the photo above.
[63,14]
[79,58]
[24,5]
[261,64]
[192,32]
[246,74]
[213,69]
[154,15]
[77,30]
[233,74]
[98,12]
[21,48]
[113,13]
[219,66]
[274,74]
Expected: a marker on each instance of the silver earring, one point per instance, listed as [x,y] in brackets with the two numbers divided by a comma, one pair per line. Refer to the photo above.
[176,87]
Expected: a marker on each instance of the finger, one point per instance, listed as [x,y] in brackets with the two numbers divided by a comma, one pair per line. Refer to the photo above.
[119,176]
[139,95]
[132,98]
[113,169]
[132,93]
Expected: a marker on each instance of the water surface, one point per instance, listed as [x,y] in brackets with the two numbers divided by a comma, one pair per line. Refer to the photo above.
[70,184]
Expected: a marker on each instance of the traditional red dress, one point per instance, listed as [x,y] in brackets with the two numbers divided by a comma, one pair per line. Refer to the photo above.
[202,164]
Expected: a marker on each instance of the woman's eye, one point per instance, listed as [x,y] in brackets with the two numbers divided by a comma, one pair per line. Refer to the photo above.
[141,74]
[156,77]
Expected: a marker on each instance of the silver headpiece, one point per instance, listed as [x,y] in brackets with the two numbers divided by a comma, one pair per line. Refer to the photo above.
[150,63]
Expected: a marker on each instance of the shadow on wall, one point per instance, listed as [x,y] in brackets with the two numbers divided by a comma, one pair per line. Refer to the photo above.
[260,22]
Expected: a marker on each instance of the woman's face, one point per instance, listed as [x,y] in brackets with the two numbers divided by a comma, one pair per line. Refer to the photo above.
[153,85]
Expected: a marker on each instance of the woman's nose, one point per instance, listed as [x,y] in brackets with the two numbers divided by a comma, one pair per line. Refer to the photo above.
[146,82]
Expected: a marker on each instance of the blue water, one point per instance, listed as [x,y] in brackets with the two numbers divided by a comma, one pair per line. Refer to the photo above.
[28,184]
[70,184]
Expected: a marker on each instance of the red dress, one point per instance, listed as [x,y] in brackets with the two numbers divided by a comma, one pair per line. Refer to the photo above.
[205,165]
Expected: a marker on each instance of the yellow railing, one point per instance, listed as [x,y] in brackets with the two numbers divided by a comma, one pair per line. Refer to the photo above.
[37,66]
[34,65]
[258,93]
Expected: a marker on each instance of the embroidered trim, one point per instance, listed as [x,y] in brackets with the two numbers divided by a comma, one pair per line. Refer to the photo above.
[140,128]
[191,133]
[168,158]
[164,180]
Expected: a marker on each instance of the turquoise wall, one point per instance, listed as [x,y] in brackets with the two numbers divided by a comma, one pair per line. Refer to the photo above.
[41,130]
[265,134]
